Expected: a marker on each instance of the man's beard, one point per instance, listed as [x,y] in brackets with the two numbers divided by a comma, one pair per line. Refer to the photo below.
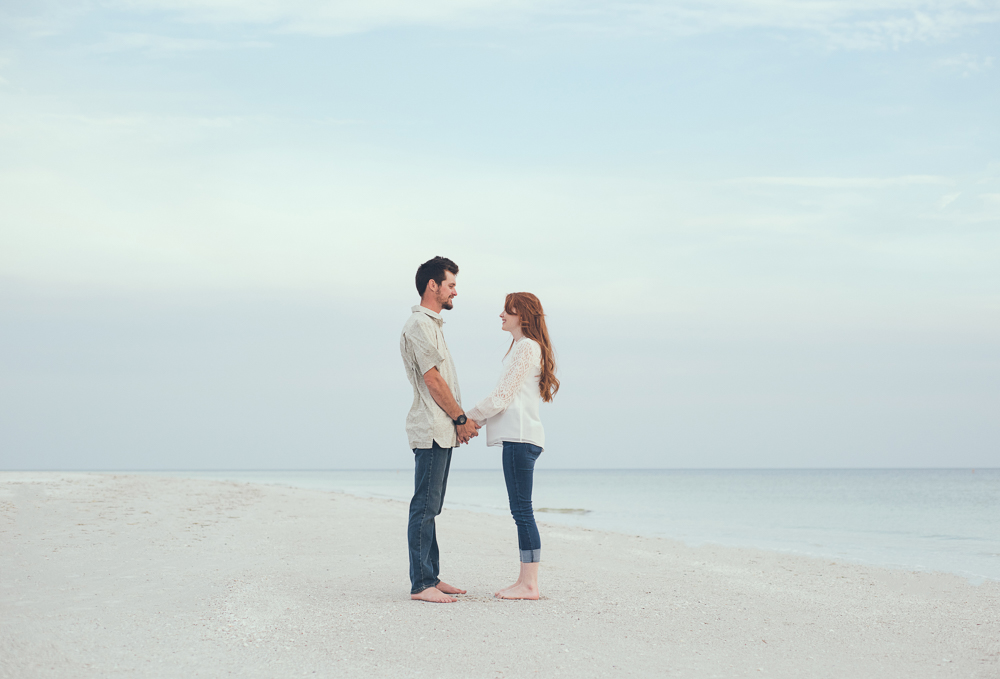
[447,304]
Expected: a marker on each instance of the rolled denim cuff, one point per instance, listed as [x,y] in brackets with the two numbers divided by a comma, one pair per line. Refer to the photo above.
[531,555]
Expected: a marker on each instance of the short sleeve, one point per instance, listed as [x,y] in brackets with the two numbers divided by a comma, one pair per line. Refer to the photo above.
[422,348]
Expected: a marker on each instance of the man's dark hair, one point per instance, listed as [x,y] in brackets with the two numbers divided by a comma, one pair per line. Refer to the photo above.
[434,269]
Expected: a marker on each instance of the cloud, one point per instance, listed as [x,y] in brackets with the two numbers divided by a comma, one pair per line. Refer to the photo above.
[845,24]
[43,18]
[847,182]
[948,200]
[967,64]
[333,18]
[166,45]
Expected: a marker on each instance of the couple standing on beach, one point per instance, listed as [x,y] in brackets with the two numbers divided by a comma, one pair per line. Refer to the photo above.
[436,423]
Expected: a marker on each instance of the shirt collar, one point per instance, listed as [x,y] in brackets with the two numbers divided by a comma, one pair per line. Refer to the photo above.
[437,317]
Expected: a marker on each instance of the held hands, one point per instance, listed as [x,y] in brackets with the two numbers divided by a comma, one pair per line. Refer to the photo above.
[468,431]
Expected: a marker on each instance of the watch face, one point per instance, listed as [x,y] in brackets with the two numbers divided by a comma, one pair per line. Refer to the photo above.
[462,419]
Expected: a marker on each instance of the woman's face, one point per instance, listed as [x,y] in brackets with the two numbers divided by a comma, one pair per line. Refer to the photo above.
[511,322]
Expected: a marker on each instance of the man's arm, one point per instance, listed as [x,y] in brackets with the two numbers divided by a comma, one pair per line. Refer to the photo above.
[441,393]
[443,397]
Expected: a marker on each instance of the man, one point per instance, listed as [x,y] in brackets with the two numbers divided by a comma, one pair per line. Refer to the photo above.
[434,425]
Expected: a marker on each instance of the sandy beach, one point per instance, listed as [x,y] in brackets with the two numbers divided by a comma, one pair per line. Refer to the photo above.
[105,575]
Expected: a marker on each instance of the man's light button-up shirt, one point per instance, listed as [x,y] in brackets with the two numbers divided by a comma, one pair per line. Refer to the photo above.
[422,347]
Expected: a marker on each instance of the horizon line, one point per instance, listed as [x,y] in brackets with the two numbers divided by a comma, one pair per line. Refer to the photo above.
[566,469]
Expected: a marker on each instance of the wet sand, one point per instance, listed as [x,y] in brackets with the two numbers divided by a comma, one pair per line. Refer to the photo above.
[106,575]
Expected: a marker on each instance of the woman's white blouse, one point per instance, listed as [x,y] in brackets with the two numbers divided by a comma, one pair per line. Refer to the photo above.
[511,410]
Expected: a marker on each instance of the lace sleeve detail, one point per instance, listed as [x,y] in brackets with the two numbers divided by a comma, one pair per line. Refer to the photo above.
[526,353]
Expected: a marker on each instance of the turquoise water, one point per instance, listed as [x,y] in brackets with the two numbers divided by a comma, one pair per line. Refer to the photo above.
[918,519]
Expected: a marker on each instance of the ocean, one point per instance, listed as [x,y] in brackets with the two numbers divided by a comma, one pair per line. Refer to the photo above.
[916,519]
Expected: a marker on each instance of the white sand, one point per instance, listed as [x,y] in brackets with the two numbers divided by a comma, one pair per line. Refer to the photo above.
[133,576]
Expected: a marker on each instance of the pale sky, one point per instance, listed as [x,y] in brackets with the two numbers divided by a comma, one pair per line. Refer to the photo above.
[766,232]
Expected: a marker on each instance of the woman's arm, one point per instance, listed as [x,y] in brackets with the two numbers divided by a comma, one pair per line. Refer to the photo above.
[509,384]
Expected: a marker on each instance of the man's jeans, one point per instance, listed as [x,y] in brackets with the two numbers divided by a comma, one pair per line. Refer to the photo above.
[429,482]
[518,471]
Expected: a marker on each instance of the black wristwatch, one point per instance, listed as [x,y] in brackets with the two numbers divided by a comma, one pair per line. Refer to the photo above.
[460,420]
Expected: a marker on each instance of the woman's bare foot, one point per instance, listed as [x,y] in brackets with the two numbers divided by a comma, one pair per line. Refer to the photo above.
[526,586]
[449,589]
[522,591]
[433,595]
[516,584]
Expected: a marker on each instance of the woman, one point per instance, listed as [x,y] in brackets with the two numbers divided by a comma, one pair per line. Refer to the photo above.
[511,417]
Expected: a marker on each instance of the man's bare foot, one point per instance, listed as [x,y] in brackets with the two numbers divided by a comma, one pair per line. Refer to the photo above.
[521,591]
[433,595]
[449,589]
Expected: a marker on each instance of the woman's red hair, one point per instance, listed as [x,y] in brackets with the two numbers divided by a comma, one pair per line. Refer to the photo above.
[527,306]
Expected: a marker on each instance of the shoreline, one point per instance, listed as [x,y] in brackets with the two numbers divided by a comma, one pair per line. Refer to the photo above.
[108,574]
[567,517]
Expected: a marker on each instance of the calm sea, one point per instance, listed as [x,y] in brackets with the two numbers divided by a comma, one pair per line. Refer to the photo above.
[917,519]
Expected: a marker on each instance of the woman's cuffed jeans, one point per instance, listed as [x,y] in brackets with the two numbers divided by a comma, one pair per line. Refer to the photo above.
[518,471]
[430,479]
